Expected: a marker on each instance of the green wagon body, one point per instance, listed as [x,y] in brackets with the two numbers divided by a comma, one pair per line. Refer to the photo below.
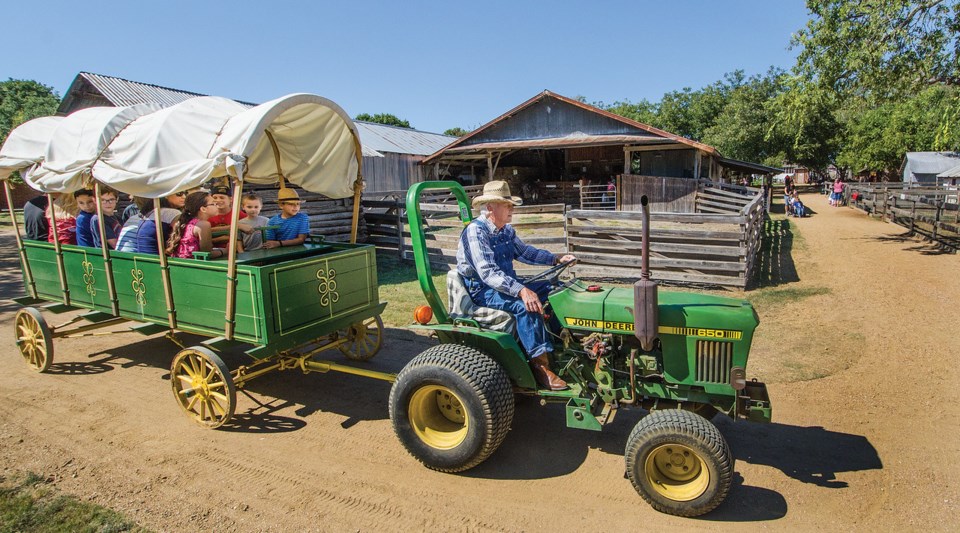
[285,296]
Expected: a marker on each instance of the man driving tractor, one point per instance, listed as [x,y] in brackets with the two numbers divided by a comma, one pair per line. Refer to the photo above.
[485,255]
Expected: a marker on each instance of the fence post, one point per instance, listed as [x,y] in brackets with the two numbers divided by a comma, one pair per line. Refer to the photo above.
[936,220]
[400,241]
[913,216]
[893,209]
[883,215]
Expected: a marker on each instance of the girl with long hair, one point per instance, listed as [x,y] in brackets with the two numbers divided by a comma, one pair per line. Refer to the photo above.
[65,208]
[191,231]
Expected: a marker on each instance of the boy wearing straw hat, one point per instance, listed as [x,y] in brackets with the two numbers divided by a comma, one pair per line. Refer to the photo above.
[485,255]
[294,226]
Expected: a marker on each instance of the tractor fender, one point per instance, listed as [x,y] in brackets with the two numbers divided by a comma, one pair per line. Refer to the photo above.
[502,347]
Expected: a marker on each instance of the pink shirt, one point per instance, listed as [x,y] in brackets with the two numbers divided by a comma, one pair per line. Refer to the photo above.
[189,243]
[838,186]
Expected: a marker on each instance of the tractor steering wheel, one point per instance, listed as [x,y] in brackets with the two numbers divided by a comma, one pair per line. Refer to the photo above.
[550,273]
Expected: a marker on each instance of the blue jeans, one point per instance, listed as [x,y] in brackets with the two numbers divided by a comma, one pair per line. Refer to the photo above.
[530,326]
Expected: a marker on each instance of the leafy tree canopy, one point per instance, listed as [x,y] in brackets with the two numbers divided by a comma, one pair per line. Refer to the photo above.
[383,118]
[456,132]
[23,100]
[880,48]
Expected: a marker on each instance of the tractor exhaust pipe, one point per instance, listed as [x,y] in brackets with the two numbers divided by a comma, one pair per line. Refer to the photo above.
[645,307]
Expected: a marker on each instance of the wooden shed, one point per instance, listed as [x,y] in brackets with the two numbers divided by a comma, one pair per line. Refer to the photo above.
[551,145]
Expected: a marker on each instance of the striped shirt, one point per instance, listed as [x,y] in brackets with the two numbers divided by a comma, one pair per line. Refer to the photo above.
[487,254]
[290,228]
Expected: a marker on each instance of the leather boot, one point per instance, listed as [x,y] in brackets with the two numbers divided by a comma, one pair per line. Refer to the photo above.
[545,376]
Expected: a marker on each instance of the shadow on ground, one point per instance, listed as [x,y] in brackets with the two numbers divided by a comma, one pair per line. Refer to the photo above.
[775,264]
[922,245]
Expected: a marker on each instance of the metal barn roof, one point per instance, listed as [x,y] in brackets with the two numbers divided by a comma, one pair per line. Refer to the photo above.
[383,138]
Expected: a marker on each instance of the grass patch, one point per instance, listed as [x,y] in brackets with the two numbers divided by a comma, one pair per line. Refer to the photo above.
[28,504]
[399,286]
[771,297]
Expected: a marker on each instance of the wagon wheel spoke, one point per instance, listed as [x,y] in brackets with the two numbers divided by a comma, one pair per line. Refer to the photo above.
[204,387]
[34,339]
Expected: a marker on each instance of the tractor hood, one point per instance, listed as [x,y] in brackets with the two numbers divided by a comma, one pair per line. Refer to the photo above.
[610,309]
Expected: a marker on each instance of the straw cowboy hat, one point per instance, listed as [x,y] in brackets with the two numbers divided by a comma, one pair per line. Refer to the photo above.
[496,191]
[286,194]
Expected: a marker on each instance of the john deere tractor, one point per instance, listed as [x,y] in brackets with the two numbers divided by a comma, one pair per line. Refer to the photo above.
[680,356]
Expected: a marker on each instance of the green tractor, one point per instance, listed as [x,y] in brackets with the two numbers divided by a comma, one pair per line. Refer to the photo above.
[681,356]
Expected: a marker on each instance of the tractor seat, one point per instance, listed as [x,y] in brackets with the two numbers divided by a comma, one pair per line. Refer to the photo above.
[462,306]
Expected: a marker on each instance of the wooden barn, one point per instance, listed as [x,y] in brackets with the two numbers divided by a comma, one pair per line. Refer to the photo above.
[551,145]
[391,155]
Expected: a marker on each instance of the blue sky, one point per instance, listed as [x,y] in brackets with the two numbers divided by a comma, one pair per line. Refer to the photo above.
[436,64]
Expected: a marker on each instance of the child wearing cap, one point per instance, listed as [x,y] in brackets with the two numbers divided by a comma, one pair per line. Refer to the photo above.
[220,223]
[294,226]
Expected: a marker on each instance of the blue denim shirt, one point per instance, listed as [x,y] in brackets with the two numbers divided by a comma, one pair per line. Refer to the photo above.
[487,254]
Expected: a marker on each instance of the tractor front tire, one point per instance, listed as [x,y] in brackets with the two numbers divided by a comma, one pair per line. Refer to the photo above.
[679,462]
[451,407]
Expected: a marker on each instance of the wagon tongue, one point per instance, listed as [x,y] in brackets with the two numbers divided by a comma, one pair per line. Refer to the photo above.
[645,310]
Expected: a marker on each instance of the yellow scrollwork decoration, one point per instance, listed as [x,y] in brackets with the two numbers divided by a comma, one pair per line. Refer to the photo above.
[88,278]
[327,286]
[138,287]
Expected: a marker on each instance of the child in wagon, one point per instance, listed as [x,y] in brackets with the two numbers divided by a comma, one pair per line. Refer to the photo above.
[191,231]
[294,226]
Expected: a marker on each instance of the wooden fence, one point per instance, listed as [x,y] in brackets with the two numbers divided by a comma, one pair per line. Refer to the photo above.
[924,209]
[717,245]
[387,228]
[688,248]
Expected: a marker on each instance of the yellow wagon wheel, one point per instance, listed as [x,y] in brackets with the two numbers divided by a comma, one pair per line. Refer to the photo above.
[34,339]
[203,386]
[363,339]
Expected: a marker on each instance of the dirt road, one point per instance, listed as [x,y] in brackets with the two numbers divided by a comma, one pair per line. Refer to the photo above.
[859,351]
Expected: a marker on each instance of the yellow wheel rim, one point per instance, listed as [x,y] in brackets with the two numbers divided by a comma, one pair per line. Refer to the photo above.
[677,472]
[438,417]
[32,341]
[201,389]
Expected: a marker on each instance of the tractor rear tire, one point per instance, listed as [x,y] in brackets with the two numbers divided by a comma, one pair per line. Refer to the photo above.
[451,407]
[679,462]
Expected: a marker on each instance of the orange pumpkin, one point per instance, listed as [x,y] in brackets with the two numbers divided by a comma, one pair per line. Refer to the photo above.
[423,314]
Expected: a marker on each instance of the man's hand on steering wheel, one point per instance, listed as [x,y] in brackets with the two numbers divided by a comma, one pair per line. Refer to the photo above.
[554,271]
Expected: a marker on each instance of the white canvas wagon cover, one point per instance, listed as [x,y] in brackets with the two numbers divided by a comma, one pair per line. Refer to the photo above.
[311,141]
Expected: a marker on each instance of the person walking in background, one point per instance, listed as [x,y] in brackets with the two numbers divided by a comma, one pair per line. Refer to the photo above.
[837,197]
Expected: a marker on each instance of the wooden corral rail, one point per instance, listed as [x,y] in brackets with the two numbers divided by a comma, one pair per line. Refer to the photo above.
[926,210]
[689,248]
[537,225]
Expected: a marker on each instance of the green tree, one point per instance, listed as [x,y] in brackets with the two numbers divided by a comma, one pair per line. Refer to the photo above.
[807,120]
[880,47]
[643,111]
[747,127]
[690,113]
[23,100]
[383,118]
[456,132]
[877,136]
